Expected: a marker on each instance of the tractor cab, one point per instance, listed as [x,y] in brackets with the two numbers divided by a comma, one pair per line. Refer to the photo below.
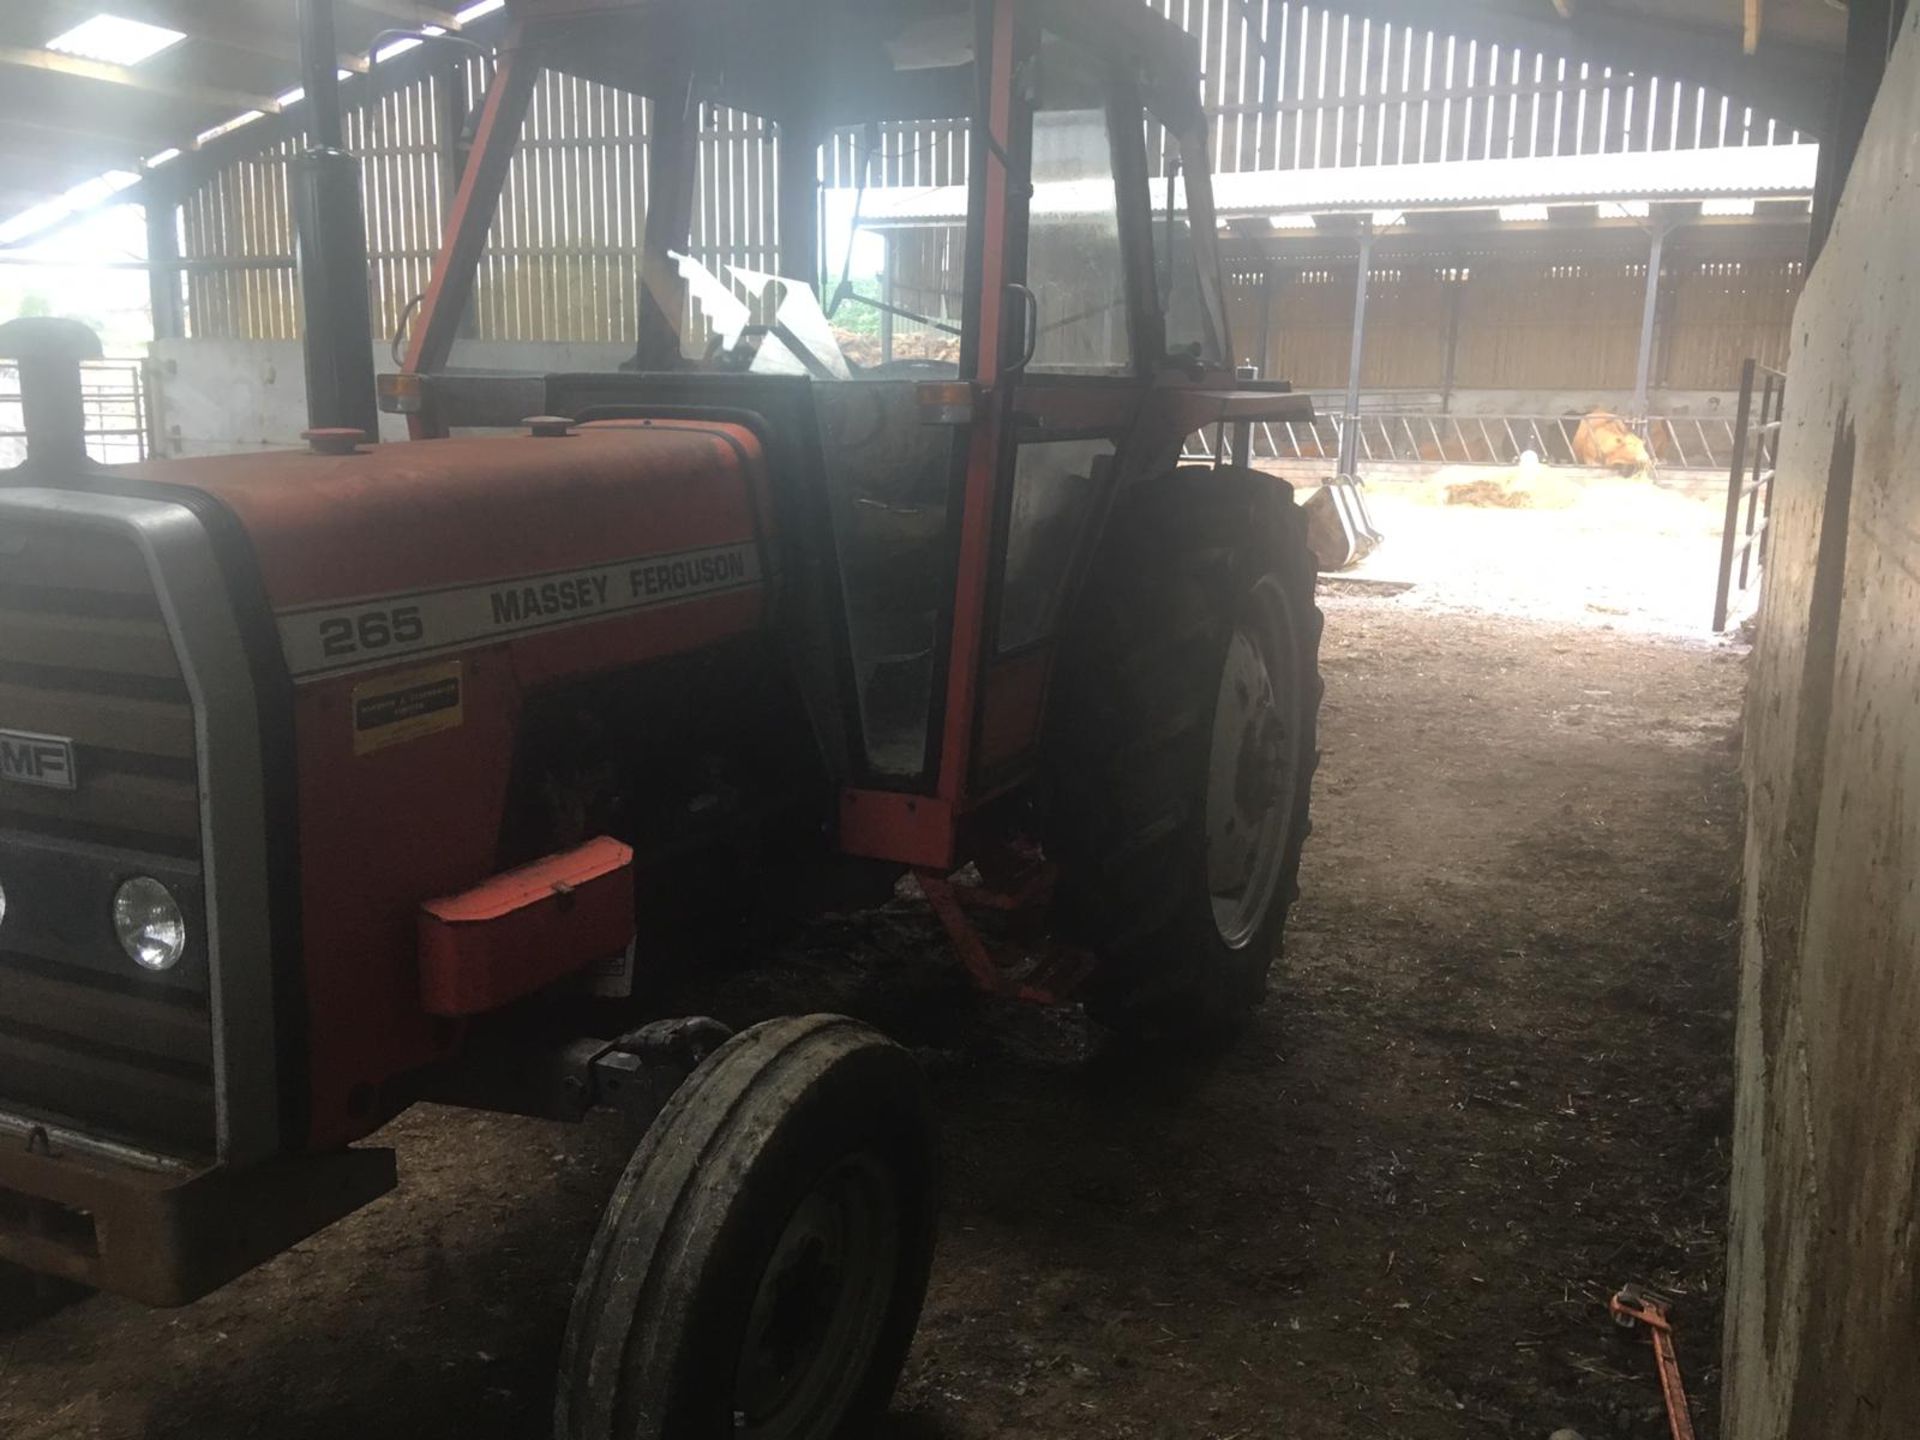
[958,261]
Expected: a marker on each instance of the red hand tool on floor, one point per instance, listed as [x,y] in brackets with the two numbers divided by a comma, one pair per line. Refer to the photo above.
[1629,1307]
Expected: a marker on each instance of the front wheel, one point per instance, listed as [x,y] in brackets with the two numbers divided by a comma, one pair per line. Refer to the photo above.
[1183,747]
[760,1269]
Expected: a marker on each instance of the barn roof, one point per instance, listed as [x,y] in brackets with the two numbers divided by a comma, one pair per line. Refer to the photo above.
[67,119]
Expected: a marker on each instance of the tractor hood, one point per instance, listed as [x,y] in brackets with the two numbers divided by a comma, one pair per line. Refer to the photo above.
[485,539]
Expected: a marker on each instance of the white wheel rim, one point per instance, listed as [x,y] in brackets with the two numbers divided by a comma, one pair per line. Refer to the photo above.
[1252,768]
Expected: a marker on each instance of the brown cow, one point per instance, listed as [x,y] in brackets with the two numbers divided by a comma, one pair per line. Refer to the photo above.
[1605,439]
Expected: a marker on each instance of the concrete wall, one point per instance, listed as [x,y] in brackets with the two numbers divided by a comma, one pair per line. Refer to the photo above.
[1823,1308]
[215,397]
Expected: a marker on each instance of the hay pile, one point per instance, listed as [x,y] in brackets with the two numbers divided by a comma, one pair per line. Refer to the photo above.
[1488,494]
[863,351]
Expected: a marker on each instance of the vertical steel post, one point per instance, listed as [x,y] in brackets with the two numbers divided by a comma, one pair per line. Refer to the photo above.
[1242,431]
[455,116]
[1643,371]
[673,171]
[889,296]
[1350,420]
[464,237]
[797,218]
[330,244]
[1450,363]
[163,267]
[1269,324]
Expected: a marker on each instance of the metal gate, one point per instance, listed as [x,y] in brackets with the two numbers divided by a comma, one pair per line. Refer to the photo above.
[1756,432]
[1675,442]
[113,398]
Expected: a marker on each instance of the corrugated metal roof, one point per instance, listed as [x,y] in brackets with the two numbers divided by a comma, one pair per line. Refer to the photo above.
[1761,172]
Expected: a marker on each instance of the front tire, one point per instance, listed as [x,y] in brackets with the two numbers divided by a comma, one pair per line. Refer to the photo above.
[1183,747]
[760,1269]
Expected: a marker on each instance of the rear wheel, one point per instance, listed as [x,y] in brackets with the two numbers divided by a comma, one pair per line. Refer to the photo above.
[761,1266]
[1183,749]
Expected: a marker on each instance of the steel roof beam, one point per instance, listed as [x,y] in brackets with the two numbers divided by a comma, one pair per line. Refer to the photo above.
[35,138]
[209,97]
[414,12]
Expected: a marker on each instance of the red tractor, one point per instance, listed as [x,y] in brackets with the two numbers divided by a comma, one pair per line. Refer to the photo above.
[334,780]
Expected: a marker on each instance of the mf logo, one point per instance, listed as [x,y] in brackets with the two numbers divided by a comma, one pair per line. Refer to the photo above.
[36,760]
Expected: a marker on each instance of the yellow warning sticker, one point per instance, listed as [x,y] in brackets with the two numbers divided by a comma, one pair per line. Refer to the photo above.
[397,708]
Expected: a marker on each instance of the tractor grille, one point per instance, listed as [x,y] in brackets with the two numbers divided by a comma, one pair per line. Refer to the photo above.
[86,1039]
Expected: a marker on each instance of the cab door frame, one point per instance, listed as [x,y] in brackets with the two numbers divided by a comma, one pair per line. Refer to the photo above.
[990,706]
[1062,406]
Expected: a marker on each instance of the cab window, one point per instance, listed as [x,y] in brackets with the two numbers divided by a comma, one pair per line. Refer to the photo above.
[1074,262]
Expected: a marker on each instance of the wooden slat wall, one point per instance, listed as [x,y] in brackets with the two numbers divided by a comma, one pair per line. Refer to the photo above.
[1564,325]
[563,255]
[1294,86]
[897,153]
[1524,324]
[1723,311]
[243,213]
[398,140]
[1289,86]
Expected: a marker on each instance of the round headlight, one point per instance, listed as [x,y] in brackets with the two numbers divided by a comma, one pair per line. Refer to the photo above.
[148,921]
[3,904]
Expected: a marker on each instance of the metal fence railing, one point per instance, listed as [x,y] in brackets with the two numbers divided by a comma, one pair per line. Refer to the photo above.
[1749,484]
[114,400]
[1677,442]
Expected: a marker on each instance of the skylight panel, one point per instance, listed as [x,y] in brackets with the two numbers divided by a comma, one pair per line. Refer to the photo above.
[115,40]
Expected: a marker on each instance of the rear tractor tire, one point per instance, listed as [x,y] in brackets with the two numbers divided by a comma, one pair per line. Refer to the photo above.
[760,1269]
[1183,747]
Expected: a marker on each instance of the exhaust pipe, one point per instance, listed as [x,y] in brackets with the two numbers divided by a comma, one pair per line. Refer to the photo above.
[330,245]
[48,352]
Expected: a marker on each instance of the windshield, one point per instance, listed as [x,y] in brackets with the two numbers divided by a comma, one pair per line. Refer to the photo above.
[889,300]
[799,209]
[1194,330]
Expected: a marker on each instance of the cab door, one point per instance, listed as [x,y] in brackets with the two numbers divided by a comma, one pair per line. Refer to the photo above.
[1083,341]
[1073,330]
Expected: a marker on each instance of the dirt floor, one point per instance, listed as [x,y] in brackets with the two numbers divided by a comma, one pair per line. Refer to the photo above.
[1492,1083]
